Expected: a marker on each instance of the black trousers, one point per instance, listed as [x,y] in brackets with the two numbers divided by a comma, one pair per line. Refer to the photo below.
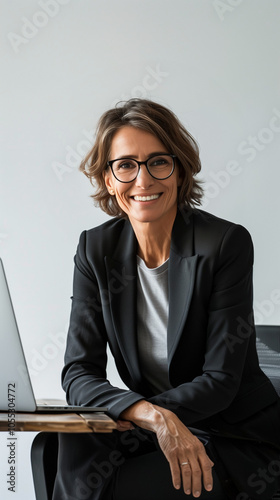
[118,466]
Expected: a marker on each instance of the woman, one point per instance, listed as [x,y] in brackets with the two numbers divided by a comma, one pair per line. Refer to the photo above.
[169,288]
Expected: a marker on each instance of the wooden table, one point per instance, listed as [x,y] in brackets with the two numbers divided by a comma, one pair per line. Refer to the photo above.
[60,422]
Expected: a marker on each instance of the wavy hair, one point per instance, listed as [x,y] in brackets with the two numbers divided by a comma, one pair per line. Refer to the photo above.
[157,120]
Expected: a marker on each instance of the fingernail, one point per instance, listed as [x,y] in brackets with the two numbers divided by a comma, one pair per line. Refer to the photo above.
[197,493]
[188,492]
[209,487]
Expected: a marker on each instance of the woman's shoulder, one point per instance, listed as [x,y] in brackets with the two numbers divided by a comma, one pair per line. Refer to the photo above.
[216,234]
[207,218]
[210,222]
[103,239]
[107,228]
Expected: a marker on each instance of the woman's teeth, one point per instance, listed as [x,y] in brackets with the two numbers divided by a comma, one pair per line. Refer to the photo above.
[146,198]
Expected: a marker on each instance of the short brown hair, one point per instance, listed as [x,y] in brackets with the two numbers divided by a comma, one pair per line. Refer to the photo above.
[157,120]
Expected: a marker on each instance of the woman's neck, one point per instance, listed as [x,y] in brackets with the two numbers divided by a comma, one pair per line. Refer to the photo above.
[154,240]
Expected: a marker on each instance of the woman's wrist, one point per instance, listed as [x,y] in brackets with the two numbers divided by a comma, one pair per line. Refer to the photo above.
[144,414]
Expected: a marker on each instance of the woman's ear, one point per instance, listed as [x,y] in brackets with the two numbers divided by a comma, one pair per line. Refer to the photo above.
[108,182]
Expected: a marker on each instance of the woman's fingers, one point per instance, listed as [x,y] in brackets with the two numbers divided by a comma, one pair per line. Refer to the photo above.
[192,472]
[189,476]
[206,466]
[196,472]
[186,474]
[200,467]
[176,474]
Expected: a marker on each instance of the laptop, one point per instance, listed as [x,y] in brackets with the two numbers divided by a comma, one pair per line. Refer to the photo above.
[15,384]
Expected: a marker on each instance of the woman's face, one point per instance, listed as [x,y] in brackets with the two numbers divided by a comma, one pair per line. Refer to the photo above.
[131,142]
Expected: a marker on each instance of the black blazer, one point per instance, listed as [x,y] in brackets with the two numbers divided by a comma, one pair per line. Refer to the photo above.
[213,364]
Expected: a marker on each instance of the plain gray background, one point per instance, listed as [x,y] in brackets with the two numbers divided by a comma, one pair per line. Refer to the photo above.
[64,62]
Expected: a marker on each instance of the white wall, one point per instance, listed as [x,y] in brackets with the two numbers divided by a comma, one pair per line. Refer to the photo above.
[64,62]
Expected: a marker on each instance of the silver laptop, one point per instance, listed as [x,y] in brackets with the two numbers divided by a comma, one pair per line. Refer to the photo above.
[15,385]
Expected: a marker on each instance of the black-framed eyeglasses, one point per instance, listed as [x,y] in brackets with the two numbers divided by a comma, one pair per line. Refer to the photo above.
[159,166]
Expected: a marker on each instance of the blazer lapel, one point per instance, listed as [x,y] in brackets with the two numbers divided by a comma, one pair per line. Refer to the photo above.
[182,270]
[122,289]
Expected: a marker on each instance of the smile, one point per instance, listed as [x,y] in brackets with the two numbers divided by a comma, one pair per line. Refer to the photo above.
[146,198]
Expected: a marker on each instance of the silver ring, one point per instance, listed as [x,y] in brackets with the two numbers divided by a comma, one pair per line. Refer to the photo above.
[184,463]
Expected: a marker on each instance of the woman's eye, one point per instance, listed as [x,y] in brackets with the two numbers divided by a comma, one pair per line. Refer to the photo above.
[126,166]
[155,162]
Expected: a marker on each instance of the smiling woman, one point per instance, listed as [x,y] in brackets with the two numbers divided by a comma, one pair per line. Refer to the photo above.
[198,417]
[143,197]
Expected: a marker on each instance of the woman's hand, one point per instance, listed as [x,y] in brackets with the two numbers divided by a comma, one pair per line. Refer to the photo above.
[177,443]
[180,446]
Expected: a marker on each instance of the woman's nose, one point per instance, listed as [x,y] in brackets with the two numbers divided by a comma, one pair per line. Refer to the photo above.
[144,179]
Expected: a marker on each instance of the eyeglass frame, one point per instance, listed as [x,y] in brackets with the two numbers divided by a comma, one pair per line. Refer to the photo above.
[110,164]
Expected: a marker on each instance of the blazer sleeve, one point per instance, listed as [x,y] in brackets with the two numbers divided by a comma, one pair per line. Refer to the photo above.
[84,374]
[230,330]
